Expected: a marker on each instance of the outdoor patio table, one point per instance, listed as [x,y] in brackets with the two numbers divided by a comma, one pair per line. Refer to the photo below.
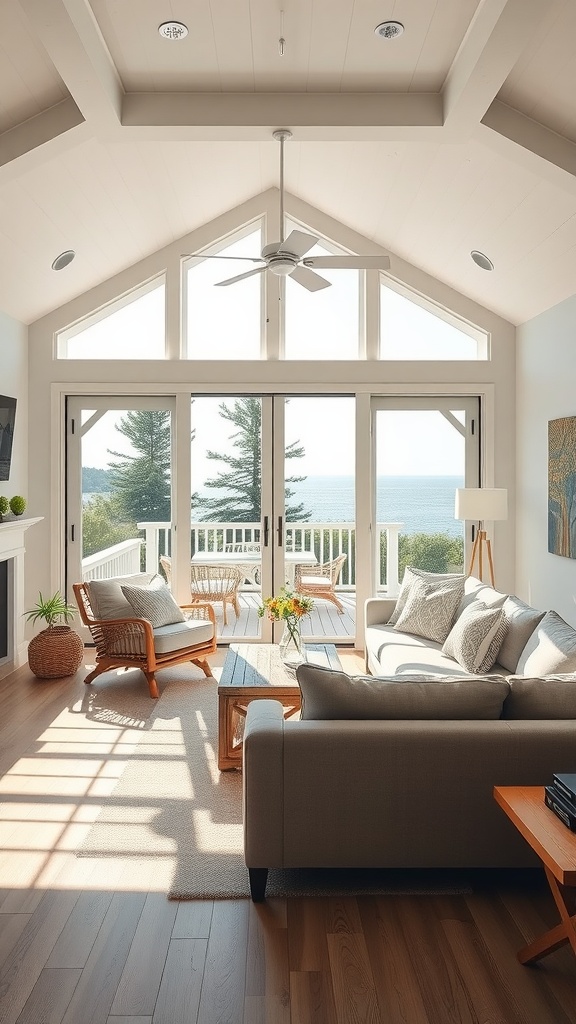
[249,561]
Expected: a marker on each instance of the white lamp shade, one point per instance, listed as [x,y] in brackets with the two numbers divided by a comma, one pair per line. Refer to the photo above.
[481,503]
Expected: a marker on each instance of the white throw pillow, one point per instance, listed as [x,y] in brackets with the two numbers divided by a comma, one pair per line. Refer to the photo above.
[154,602]
[476,637]
[411,574]
[431,608]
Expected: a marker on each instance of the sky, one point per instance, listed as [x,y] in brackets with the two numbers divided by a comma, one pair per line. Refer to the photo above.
[408,443]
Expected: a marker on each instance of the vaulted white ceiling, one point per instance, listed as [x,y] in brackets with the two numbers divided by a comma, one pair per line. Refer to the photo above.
[460,134]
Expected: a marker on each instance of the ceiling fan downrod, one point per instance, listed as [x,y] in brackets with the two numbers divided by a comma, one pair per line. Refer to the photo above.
[281,134]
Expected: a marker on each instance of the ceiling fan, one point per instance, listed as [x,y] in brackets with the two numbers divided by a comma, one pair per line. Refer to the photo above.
[287,258]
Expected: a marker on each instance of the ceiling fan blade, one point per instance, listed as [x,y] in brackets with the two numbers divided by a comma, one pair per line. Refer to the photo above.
[348,262]
[239,277]
[201,256]
[298,242]
[313,282]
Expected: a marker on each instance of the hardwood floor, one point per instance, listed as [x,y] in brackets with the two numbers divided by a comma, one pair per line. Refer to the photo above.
[95,941]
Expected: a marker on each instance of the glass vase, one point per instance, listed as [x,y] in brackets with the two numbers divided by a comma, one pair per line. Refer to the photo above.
[291,647]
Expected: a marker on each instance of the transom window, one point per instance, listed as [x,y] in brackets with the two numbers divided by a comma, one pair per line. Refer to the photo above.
[131,327]
[409,330]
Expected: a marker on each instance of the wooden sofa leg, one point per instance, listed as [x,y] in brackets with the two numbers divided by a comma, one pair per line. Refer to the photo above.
[96,672]
[258,878]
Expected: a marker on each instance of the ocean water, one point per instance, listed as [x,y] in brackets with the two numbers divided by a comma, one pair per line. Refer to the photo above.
[425,504]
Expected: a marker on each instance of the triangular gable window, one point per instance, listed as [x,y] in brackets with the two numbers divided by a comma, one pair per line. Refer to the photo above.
[409,330]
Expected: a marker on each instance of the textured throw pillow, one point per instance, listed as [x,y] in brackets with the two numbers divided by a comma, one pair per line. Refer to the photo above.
[431,608]
[411,574]
[476,637]
[522,621]
[549,697]
[107,599]
[551,648]
[154,602]
[328,694]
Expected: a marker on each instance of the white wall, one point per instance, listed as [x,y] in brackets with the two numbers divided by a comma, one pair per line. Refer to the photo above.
[546,390]
[14,383]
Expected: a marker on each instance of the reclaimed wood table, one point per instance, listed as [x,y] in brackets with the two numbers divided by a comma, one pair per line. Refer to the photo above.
[256,672]
[555,844]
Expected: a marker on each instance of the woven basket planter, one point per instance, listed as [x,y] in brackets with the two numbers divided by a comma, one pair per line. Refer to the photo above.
[55,652]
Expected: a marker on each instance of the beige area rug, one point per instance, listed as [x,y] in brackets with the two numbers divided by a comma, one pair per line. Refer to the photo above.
[172,802]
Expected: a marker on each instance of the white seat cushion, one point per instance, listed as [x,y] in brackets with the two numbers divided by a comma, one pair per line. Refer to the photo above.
[316,581]
[182,634]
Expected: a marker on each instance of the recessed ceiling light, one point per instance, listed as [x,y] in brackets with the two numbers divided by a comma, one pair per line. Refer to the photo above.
[63,259]
[481,260]
[173,30]
[389,30]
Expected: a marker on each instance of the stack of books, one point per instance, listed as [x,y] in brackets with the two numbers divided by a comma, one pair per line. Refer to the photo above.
[560,797]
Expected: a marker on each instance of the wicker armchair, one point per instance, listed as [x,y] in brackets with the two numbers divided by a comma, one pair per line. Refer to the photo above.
[320,580]
[133,643]
[216,583]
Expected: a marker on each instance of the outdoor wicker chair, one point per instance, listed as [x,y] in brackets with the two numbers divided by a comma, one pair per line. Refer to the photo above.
[216,583]
[320,580]
[131,642]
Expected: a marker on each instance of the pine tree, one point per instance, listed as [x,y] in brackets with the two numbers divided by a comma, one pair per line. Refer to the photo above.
[242,480]
[141,482]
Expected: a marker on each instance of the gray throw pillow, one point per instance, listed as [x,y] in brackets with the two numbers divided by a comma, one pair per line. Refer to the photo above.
[107,599]
[411,574]
[430,608]
[522,621]
[548,697]
[328,694]
[476,637]
[551,648]
[154,602]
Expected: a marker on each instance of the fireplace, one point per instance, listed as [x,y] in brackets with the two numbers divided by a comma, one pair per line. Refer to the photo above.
[13,646]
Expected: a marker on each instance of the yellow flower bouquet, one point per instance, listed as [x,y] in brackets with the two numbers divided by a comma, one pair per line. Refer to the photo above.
[288,607]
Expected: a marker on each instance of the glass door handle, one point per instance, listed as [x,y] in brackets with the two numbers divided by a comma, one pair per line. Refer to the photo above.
[280,532]
[266,531]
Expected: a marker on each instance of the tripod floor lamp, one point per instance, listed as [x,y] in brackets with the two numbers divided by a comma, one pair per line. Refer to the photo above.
[481,504]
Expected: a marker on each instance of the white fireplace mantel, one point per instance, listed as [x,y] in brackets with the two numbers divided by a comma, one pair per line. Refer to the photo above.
[12,550]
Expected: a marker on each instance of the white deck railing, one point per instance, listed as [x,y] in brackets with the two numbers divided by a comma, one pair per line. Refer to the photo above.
[119,560]
[327,540]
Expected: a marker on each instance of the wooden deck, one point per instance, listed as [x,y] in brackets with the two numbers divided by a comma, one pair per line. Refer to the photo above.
[323,623]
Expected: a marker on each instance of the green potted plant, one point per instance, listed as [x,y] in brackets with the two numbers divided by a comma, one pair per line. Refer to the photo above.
[57,650]
[4,506]
[17,505]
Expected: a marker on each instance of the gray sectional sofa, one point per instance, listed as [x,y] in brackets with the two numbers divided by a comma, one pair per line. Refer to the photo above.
[396,769]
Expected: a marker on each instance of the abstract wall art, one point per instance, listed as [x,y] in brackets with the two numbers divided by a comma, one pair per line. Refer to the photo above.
[562,486]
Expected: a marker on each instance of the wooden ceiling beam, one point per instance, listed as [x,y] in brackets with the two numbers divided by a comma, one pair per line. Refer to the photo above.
[527,142]
[498,33]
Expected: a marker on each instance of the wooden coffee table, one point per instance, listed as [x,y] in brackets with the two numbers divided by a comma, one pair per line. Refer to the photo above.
[555,844]
[254,672]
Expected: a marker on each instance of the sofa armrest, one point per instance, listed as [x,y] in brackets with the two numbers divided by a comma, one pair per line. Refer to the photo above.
[377,610]
[263,784]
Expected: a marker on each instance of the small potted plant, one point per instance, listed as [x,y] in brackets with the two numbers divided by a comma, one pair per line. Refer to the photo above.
[57,650]
[17,505]
[4,506]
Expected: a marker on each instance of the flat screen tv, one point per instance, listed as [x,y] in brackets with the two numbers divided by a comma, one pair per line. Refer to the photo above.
[7,418]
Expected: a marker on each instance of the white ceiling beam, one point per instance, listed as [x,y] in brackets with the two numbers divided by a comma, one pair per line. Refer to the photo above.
[496,37]
[538,149]
[313,117]
[72,39]
[42,137]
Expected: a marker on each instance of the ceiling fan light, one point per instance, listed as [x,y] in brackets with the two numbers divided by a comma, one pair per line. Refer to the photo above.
[282,268]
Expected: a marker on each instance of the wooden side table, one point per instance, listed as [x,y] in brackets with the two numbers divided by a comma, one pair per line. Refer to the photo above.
[555,844]
[254,672]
